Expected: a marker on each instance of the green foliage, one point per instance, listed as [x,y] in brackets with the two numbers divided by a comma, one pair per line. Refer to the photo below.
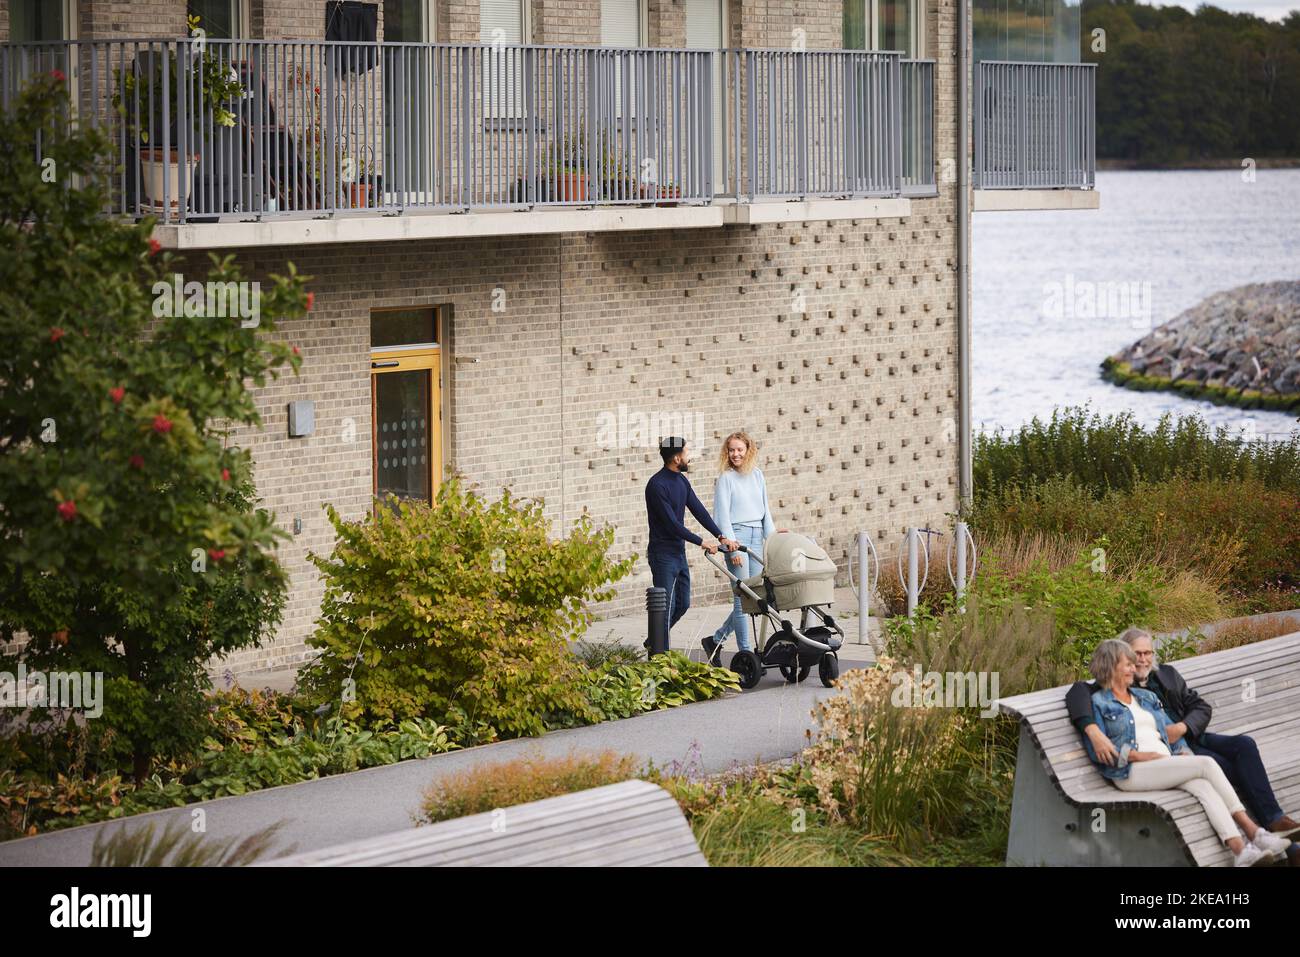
[128,540]
[462,611]
[1175,87]
[1103,453]
[531,778]
[1084,602]
[252,740]
[596,654]
[665,681]
[176,846]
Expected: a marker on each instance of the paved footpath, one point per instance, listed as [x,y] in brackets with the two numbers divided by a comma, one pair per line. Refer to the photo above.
[765,724]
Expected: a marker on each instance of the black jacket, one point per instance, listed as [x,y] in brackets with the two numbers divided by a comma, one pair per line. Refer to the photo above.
[1180,702]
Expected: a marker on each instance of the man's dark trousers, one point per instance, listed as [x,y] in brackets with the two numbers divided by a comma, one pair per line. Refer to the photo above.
[1239,758]
[669,571]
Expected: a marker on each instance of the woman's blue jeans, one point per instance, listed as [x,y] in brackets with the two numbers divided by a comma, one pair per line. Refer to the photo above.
[751,536]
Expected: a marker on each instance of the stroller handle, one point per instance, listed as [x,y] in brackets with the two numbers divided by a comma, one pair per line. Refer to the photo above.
[743,549]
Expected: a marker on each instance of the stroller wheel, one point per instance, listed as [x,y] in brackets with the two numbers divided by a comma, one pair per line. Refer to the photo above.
[747,666]
[788,673]
[828,669]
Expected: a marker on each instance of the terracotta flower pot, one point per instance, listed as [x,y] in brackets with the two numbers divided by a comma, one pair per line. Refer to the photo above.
[570,186]
[358,195]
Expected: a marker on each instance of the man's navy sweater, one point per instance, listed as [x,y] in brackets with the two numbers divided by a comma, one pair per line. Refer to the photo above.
[667,496]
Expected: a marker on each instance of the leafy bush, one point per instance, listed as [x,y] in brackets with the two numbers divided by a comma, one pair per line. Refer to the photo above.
[531,778]
[665,681]
[596,654]
[464,608]
[130,544]
[1104,453]
[255,740]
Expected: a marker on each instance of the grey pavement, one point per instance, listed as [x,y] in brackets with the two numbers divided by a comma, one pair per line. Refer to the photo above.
[765,724]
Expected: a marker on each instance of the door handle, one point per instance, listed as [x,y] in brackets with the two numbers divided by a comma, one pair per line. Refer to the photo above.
[385,365]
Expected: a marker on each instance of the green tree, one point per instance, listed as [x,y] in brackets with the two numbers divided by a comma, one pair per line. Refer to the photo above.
[129,540]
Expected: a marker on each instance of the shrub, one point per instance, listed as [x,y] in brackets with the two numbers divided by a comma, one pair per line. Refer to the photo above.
[596,654]
[465,608]
[526,779]
[902,773]
[1237,633]
[1101,453]
[130,544]
[176,846]
[665,681]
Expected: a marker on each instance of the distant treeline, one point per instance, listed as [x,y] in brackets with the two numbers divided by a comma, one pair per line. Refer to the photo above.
[1175,87]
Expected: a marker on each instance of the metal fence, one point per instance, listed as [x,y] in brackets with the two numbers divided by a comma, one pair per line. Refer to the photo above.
[917,109]
[814,123]
[1035,125]
[321,127]
[205,130]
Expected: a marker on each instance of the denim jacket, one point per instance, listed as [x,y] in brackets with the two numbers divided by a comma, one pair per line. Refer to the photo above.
[1116,722]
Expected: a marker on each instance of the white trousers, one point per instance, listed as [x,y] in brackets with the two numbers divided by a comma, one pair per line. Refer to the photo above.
[1197,775]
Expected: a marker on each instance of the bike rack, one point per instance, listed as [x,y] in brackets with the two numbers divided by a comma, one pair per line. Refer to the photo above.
[866,555]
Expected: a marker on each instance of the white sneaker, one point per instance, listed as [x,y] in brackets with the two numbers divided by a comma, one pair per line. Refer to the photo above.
[1272,845]
[1250,856]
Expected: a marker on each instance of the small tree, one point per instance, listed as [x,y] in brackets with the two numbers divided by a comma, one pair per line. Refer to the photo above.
[129,543]
[462,612]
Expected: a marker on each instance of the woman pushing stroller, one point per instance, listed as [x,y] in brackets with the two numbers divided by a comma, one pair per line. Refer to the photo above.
[742,512]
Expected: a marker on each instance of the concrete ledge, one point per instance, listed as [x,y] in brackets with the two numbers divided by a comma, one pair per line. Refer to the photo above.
[379,228]
[1006,200]
[816,209]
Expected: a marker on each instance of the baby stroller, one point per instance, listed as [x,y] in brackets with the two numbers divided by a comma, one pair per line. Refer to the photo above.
[797,574]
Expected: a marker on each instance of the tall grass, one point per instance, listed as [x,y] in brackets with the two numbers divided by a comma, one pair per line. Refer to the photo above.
[1100,453]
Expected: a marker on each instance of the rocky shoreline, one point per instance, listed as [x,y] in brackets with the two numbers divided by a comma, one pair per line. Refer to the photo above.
[1239,347]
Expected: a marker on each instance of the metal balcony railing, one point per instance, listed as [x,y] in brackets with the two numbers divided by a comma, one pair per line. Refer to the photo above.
[242,130]
[918,128]
[1035,125]
[815,123]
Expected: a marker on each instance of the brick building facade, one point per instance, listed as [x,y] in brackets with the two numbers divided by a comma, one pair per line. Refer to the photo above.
[832,341]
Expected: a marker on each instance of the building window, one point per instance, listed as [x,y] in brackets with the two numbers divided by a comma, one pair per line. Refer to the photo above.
[408,21]
[884,25]
[503,24]
[622,23]
[219,19]
[40,21]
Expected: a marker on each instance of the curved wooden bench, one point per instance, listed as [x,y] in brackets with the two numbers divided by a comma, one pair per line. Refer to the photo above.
[630,824]
[1253,690]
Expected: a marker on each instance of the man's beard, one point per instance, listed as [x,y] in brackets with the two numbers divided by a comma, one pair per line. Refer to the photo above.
[684,467]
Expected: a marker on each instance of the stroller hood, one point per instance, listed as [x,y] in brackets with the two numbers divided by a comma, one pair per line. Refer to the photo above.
[789,558]
[800,571]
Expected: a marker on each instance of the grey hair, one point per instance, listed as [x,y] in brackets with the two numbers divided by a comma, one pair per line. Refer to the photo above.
[1130,635]
[1106,656]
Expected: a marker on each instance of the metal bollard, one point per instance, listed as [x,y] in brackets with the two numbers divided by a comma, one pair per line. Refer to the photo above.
[656,606]
[912,536]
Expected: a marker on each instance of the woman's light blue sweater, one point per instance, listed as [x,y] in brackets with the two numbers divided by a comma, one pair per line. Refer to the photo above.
[741,500]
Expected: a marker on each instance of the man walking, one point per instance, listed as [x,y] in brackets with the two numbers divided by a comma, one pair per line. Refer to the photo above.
[667,496]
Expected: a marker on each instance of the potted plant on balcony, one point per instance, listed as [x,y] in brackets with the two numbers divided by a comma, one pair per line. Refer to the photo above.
[567,169]
[212,86]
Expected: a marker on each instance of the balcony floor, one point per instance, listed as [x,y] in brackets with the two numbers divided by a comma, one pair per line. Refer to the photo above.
[376,226]
[1009,200]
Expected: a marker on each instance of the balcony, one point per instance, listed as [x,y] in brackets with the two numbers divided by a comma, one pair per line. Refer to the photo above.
[1035,143]
[345,142]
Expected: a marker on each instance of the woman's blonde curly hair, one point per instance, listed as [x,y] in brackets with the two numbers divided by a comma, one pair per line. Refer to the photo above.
[751,454]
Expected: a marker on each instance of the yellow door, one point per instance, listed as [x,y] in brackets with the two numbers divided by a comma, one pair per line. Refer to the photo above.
[406,423]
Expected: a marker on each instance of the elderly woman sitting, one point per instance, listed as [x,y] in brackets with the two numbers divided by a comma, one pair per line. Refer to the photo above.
[1135,723]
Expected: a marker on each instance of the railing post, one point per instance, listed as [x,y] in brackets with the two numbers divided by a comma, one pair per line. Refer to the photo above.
[467,176]
[752,110]
[802,126]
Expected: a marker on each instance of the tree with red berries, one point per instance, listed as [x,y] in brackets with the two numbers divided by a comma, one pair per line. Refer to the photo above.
[130,542]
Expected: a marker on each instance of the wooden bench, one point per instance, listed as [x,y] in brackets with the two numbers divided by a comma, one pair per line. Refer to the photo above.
[1253,690]
[631,824]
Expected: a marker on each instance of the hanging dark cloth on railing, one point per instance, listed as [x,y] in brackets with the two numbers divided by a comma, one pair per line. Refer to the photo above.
[353,22]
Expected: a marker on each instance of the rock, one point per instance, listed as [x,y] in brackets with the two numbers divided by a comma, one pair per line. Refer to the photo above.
[1242,338]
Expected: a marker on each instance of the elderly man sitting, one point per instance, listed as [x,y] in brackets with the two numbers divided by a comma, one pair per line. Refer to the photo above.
[1236,754]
